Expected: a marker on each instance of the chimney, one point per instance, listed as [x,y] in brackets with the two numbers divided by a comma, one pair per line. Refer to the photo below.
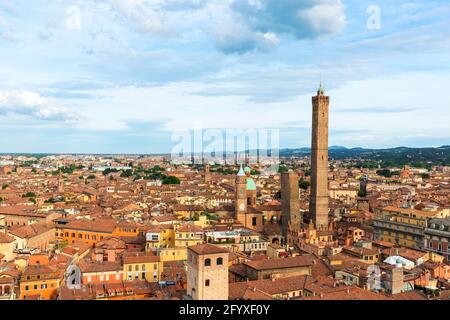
[348,290]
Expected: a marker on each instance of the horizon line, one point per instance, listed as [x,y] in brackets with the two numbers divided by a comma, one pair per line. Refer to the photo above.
[219,151]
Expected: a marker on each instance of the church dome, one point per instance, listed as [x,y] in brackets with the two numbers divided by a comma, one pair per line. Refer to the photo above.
[247,169]
[251,184]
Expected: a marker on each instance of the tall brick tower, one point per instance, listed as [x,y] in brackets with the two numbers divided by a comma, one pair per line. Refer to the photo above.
[241,195]
[290,206]
[318,206]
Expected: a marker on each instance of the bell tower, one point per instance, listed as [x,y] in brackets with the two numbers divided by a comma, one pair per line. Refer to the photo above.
[241,196]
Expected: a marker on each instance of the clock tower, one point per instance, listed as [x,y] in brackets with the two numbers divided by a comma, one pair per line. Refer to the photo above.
[241,195]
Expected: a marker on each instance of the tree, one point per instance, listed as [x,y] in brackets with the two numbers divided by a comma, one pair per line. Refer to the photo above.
[361,193]
[91,177]
[385,173]
[126,174]
[303,184]
[5,186]
[425,176]
[29,195]
[170,180]
[108,171]
[282,169]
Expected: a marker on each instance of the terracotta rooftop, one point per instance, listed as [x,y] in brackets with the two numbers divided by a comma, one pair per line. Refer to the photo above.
[139,258]
[4,238]
[207,248]
[291,262]
[268,287]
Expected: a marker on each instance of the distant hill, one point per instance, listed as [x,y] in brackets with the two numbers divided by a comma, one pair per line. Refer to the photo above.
[398,155]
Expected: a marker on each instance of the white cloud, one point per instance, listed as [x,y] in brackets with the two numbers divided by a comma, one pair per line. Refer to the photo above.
[236,26]
[324,18]
[33,105]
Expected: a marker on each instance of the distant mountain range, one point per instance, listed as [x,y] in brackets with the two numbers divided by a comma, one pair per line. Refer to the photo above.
[398,154]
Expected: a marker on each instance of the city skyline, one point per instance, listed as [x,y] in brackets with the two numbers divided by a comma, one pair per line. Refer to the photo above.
[134,72]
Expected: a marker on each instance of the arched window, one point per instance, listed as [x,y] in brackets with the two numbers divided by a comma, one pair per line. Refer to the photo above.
[219,261]
[207,262]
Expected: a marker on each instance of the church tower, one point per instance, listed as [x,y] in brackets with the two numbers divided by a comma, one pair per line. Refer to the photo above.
[318,206]
[245,201]
[241,195]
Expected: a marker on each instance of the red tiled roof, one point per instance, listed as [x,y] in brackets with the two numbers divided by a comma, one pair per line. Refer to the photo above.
[291,262]
[207,248]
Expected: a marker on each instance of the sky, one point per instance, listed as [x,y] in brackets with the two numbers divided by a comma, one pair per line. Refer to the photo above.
[124,76]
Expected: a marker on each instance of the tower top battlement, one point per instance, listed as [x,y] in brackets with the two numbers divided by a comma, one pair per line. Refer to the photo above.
[321,90]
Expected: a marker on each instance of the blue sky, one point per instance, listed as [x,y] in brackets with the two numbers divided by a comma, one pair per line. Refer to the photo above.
[120,76]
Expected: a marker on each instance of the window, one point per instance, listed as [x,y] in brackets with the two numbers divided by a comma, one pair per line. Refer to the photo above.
[207,262]
[253,221]
[219,261]
[89,279]
[207,283]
